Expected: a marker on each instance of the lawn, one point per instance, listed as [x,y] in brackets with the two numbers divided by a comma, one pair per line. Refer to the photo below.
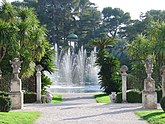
[57,98]
[18,117]
[102,98]
[153,116]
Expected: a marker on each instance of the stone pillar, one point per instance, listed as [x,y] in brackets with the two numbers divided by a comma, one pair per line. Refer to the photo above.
[16,93]
[163,80]
[124,83]
[38,75]
[149,96]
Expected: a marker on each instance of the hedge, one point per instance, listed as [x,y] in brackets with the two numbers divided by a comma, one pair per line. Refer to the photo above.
[5,102]
[133,96]
[30,97]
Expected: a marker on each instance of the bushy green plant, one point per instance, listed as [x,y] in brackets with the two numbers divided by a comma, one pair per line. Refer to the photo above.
[5,83]
[159,94]
[5,102]
[2,93]
[162,103]
[119,97]
[30,97]
[46,82]
[109,72]
[133,96]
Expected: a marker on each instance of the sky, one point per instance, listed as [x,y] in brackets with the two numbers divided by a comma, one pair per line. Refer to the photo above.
[134,7]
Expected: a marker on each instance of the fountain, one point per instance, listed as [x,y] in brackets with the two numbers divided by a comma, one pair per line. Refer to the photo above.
[75,72]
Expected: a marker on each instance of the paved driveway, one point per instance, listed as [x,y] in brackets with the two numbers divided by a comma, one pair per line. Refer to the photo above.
[81,108]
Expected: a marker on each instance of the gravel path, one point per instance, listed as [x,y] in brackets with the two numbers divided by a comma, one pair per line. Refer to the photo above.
[81,108]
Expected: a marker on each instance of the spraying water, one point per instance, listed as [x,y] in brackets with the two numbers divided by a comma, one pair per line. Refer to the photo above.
[75,72]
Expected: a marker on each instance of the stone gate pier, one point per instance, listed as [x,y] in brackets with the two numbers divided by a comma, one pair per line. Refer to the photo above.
[149,96]
[16,93]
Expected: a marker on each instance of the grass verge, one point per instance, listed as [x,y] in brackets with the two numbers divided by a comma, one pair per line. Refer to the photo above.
[57,98]
[152,116]
[18,117]
[102,98]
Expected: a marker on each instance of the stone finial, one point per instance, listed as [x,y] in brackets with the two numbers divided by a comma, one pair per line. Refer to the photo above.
[39,68]
[124,68]
[149,66]
[16,65]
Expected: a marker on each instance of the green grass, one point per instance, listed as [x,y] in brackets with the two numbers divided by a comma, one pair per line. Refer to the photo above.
[57,98]
[18,117]
[102,98]
[153,116]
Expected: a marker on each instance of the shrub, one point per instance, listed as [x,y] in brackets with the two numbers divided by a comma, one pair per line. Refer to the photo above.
[46,82]
[109,76]
[5,104]
[162,103]
[133,96]
[119,97]
[159,94]
[30,97]
[2,93]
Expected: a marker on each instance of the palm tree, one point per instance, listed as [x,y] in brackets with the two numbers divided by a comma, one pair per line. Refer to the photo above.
[102,42]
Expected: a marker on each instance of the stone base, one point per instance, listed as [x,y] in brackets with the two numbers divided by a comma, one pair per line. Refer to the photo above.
[124,101]
[149,99]
[17,100]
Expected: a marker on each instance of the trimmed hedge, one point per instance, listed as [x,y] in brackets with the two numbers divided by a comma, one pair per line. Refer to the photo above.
[133,96]
[159,94]
[5,102]
[2,93]
[162,103]
[30,97]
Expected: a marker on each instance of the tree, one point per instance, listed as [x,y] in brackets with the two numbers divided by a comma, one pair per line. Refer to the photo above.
[89,21]
[114,21]
[150,45]
[21,36]
[109,67]
[65,17]
[119,50]
[59,17]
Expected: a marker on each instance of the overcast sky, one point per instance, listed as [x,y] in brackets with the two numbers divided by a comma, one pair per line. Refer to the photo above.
[134,7]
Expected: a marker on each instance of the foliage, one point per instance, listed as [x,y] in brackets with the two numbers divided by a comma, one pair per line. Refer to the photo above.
[159,94]
[45,83]
[152,116]
[109,66]
[119,97]
[5,83]
[47,61]
[5,102]
[150,45]
[109,72]
[57,98]
[22,36]
[133,96]
[30,97]
[162,103]
[141,37]
[119,50]
[114,21]
[102,98]
[18,117]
